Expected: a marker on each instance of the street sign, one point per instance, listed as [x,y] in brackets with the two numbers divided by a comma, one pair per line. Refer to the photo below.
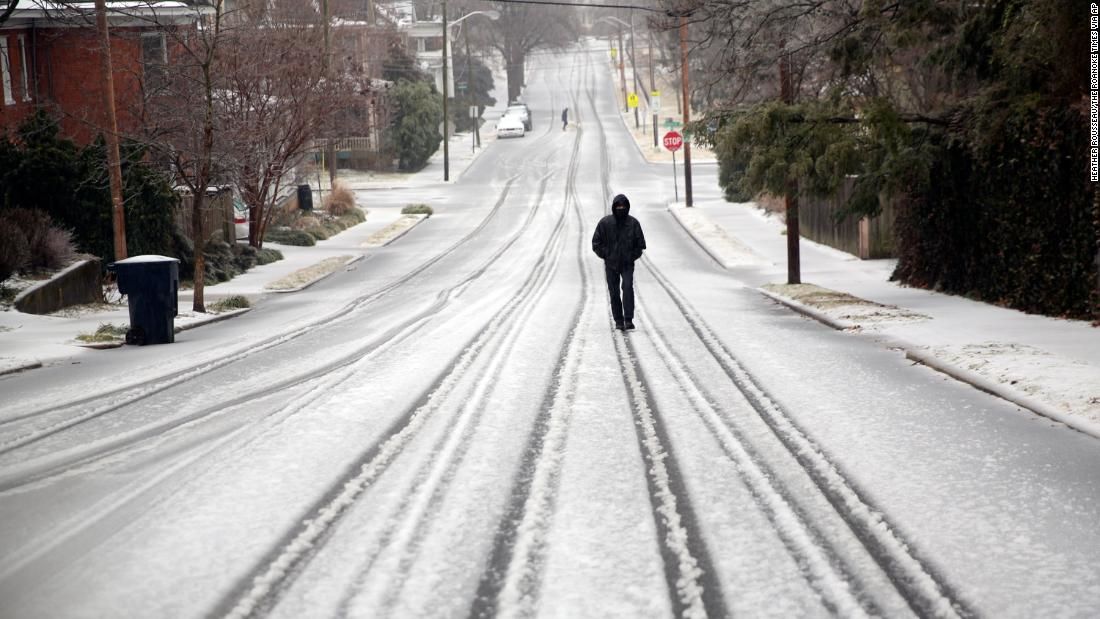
[614,53]
[632,100]
[673,141]
[655,103]
[473,111]
[671,124]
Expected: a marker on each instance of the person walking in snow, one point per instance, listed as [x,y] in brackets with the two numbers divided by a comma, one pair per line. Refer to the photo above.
[564,119]
[619,241]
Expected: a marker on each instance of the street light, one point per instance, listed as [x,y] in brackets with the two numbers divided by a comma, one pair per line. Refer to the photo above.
[446,148]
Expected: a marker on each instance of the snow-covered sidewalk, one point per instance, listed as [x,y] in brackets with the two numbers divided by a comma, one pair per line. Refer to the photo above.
[1048,365]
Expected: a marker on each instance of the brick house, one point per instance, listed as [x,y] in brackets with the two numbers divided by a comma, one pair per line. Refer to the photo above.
[49,57]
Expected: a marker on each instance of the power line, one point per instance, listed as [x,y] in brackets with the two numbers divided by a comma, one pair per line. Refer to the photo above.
[581,4]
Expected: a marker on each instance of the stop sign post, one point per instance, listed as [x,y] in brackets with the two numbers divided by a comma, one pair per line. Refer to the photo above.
[673,141]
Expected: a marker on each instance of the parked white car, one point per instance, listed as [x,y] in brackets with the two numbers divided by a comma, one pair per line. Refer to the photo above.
[240,218]
[510,127]
[520,110]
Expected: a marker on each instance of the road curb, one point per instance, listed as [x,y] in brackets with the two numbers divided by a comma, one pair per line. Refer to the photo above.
[810,312]
[347,263]
[1010,395]
[930,361]
[211,319]
[420,219]
[15,369]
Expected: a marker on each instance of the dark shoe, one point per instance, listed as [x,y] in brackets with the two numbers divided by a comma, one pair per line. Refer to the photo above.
[628,325]
[619,325]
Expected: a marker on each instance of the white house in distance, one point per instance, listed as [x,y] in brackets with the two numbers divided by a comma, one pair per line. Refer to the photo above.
[425,40]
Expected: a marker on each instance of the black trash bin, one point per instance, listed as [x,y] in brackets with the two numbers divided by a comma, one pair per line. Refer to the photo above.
[151,284]
[305,198]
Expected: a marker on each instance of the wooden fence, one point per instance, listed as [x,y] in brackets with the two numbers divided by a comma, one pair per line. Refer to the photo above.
[867,238]
[217,215]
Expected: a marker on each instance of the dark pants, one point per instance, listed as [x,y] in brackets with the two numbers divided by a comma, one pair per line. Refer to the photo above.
[621,308]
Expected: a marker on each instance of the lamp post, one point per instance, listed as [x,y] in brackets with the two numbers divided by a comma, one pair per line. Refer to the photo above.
[446,141]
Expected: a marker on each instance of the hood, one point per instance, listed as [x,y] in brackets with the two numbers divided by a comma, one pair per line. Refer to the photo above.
[620,208]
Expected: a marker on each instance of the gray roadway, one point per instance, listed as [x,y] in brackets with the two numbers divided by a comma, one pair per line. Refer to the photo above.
[453,428]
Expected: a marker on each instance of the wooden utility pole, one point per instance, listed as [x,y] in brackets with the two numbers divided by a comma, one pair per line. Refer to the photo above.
[790,200]
[622,68]
[653,88]
[114,163]
[634,65]
[687,113]
[446,148]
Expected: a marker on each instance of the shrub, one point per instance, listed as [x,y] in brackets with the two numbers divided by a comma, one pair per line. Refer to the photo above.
[7,295]
[340,200]
[14,252]
[268,255]
[332,226]
[57,248]
[318,232]
[305,222]
[418,111]
[105,333]
[231,303]
[417,209]
[286,236]
[47,247]
[353,217]
[44,171]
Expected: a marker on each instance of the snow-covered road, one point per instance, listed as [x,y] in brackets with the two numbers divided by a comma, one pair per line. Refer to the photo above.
[453,428]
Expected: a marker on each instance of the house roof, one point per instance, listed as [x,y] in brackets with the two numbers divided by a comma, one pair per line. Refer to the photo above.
[58,14]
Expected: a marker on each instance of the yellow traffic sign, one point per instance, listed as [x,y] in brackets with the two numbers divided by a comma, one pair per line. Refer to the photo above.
[655,93]
[632,100]
[614,53]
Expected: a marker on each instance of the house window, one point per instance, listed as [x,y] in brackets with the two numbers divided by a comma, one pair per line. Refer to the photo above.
[154,60]
[5,71]
[24,67]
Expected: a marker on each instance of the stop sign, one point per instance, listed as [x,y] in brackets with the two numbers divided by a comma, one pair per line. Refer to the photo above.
[673,141]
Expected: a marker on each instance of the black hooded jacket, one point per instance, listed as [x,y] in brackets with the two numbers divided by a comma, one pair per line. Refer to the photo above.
[618,240]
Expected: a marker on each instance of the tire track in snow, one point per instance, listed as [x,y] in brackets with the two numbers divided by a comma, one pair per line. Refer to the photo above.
[437,472]
[509,584]
[58,462]
[257,427]
[693,590]
[823,569]
[926,592]
[400,542]
[692,582]
[261,589]
[129,394]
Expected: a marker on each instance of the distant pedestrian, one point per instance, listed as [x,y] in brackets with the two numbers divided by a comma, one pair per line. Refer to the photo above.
[564,119]
[619,241]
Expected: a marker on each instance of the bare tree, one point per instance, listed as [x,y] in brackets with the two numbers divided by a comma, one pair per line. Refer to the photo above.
[183,122]
[523,28]
[277,98]
[7,8]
